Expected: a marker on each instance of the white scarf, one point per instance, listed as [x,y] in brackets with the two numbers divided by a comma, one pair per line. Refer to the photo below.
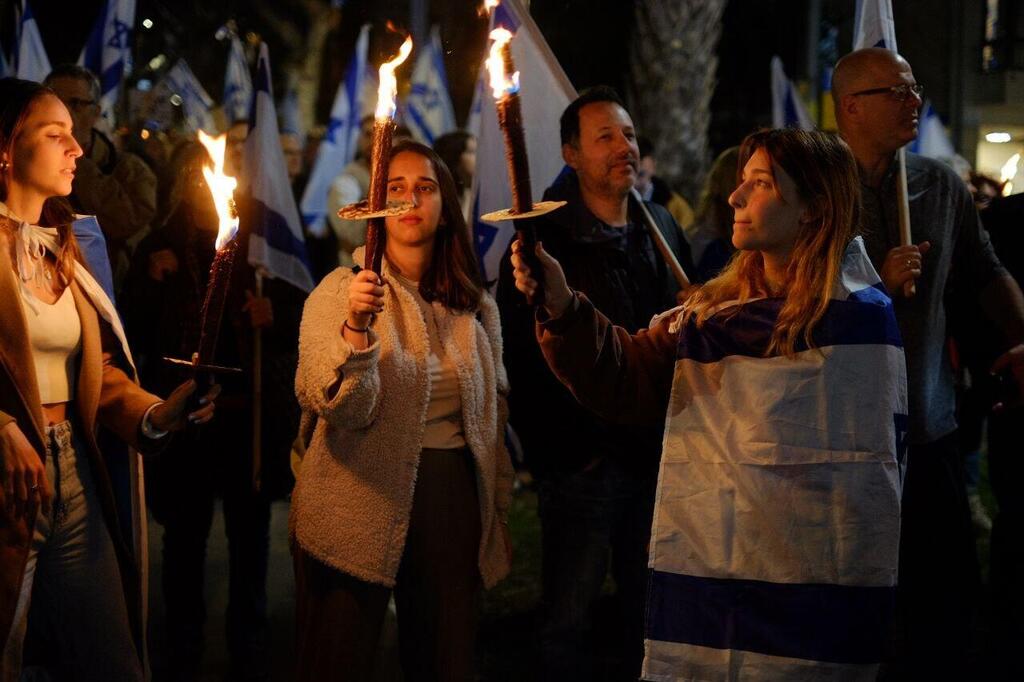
[31,242]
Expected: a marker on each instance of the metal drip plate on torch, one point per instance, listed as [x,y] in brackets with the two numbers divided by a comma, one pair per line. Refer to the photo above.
[540,208]
[361,210]
[212,369]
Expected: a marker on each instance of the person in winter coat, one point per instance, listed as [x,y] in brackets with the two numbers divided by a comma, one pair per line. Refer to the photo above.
[406,482]
[72,534]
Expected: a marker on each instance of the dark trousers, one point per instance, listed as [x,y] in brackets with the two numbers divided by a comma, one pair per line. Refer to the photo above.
[592,521]
[436,591]
[1006,471]
[938,569]
[185,486]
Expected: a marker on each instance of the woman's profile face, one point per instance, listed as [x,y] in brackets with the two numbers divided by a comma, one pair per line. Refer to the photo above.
[411,178]
[44,152]
[767,206]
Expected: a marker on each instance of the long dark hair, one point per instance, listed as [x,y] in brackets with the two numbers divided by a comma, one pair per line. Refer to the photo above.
[453,277]
[16,99]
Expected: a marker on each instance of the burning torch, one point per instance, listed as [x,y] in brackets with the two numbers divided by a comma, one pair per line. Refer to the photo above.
[376,207]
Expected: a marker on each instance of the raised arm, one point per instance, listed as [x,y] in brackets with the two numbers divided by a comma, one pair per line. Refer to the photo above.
[623,378]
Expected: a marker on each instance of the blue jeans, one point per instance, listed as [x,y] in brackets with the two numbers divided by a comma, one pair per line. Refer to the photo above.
[71,620]
[591,521]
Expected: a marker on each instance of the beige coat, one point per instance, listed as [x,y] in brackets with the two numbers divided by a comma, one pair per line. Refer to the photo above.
[354,493]
[105,393]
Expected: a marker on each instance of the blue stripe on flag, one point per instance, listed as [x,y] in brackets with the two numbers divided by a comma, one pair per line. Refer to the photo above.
[272,226]
[504,16]
[747,331]
[835,623]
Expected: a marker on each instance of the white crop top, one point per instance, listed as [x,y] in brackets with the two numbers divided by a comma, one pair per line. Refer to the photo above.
[55,337]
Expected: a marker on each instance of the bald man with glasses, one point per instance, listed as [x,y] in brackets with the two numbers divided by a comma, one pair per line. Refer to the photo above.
[877,103]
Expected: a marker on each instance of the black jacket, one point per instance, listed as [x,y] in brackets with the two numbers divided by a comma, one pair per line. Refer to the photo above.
[621,271]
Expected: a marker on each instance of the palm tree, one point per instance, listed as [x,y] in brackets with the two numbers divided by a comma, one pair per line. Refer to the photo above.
[673,62]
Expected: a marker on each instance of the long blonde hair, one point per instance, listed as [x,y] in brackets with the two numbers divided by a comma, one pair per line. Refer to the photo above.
[825,174]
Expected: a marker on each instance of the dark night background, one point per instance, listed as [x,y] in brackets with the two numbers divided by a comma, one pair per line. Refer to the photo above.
[589,37]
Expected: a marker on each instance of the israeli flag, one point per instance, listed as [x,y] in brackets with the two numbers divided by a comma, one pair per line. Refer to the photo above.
[428,108]
[932,140]
[276,244]
[291,116]
[339,144]
[5,67]
[30,60]
[545,93]
[873,25]
[776,528]
[237,83]
[788,110]
[107,52]
[195,102]
[93,246]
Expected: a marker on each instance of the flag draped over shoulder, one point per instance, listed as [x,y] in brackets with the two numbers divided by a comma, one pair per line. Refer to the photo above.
[776,528]
[30,60]
[237,83]
[339,143]
[788,110]
[276,243]
[428,110]
[545,93]
[107,51]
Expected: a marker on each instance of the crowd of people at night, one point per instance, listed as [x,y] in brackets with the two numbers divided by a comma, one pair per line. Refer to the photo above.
[776,462]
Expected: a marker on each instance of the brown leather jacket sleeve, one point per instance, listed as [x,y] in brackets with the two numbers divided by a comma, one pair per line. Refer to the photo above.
[623,378]
[123,402]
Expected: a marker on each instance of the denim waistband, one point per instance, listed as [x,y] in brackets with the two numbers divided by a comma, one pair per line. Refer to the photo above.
[60,439]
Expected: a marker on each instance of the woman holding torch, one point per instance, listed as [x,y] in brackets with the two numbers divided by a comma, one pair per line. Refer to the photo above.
[776,528]
[406,482]
[71,535]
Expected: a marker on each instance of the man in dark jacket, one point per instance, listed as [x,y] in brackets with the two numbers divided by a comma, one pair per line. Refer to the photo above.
[115,186]
[596,479]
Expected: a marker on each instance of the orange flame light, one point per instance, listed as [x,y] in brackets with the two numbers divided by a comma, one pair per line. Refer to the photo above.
[488,6]
[501,83]
[388,85]
[221,187]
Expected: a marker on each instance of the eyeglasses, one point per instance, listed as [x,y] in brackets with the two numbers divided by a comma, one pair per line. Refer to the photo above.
[900,93]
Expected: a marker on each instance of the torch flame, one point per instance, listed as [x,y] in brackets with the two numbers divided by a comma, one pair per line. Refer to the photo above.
[221,187]
[1008,172]
[501,83]
[388,85]
[489,6]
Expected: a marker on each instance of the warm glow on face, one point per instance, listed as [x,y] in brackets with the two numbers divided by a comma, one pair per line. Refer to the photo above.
[388,85]
[221,187]
[501,83]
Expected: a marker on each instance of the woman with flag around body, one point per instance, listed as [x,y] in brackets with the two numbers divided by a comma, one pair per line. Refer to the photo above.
[776,529]
[72,534]
[406,481]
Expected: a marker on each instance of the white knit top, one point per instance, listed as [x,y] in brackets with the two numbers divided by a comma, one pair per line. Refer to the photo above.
[55,336]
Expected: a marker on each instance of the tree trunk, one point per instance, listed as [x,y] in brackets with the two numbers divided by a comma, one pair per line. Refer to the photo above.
[673,61]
